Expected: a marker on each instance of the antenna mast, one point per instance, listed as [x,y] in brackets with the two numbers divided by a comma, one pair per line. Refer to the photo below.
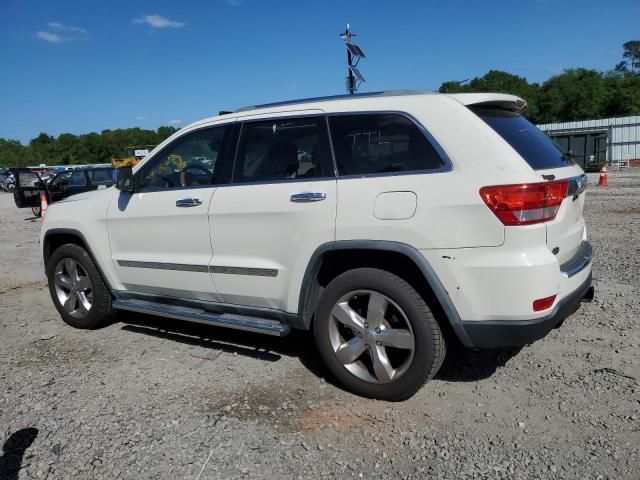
[354,55]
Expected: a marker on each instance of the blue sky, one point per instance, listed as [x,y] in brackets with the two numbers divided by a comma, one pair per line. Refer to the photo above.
[86,65]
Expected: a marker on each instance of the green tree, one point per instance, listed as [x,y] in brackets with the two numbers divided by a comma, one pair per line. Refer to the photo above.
[576,94]
[631,55]
[497,81]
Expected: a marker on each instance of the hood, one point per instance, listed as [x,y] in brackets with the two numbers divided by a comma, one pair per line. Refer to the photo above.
[85,195]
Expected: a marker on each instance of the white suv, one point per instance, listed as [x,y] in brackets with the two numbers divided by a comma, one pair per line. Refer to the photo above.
[381,221]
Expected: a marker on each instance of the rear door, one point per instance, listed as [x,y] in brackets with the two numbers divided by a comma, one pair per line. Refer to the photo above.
[28,188]
[566,231]
[280,207]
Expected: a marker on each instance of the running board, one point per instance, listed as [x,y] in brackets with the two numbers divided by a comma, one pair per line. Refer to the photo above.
[227,320]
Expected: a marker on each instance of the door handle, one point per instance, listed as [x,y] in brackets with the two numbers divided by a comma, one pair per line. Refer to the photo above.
[306,197]
[188,202]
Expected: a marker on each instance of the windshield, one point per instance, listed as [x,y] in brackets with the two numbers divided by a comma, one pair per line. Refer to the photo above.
[538,150]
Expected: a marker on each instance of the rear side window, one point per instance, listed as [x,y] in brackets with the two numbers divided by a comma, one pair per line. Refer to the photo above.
[538,150]
[380,143]
[283,149]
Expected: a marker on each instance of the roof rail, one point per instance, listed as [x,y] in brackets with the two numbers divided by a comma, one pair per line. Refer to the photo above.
[384,93]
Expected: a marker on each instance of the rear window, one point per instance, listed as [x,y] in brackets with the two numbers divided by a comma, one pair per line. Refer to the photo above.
[538,150]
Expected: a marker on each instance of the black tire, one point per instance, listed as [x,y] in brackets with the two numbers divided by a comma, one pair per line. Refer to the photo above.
[429,349]
[101,312]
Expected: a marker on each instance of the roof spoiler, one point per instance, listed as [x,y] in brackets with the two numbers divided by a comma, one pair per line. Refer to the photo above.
[500,100]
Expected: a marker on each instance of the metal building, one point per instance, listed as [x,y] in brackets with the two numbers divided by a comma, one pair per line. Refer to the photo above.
[594,142]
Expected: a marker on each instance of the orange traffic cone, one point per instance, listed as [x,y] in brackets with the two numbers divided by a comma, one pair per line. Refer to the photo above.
[43,206]
[604,178]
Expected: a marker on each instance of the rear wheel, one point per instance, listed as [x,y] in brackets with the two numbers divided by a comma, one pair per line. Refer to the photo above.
[77,288]
[377,335]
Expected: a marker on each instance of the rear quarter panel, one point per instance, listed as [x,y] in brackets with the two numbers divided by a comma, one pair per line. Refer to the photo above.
[449,211]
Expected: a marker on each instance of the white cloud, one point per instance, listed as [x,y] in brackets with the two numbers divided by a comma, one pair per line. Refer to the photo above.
[140,117]
[49,37]
[62,33]
[234,3]
[158,21]
[174,123]
[66,28]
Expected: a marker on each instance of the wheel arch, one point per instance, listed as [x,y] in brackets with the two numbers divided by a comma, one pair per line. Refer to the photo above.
[57,237]
[333,258]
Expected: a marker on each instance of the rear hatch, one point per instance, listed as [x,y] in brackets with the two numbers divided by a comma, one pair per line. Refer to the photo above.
[566,231]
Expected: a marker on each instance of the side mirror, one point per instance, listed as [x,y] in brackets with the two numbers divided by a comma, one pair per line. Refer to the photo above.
[123,180]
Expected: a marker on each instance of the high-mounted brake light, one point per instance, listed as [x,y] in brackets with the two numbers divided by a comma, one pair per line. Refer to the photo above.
[526,203]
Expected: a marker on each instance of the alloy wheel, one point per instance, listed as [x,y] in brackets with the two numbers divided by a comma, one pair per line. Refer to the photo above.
[371,336]
[73,287]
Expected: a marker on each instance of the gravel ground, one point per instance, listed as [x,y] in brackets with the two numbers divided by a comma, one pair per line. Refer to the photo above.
[160,399]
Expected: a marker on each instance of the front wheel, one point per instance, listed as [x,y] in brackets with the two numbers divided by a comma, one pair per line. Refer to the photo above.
[377,335]
[77,288]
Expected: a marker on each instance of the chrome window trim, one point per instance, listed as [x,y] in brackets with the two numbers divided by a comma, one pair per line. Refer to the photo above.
[446,161]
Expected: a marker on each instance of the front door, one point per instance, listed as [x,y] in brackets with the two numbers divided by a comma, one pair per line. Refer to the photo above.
[279,208]
[159,235]
[28,188]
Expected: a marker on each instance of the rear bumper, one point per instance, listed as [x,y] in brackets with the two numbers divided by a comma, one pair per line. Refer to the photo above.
[507,333]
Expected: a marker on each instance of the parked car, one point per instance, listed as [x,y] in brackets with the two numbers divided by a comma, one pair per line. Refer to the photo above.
[380,221]
[30,184]
[7,182]
[4,174]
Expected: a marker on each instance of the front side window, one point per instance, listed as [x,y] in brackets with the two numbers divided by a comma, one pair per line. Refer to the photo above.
[190,161]
[283,149]
[380,143]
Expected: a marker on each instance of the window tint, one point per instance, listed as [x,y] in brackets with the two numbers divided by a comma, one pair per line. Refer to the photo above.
[28,179]
[380,143]
[103,176]
[190,161]
[60,180]
[283,149]
[78,179]
[534,147]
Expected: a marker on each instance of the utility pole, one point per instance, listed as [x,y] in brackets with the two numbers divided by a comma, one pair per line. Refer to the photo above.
[354,53]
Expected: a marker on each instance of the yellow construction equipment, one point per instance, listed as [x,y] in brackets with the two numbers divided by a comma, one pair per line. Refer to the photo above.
[132,156]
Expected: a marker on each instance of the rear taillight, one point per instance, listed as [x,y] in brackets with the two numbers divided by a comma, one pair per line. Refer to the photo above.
[526,203]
